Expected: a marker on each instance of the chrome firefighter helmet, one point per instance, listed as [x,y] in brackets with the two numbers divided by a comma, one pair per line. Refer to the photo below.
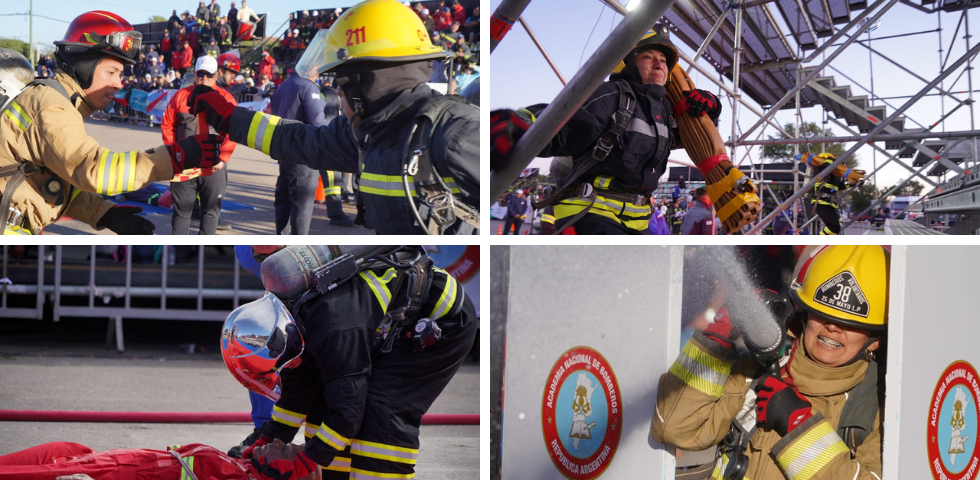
[15,74]
[258,340]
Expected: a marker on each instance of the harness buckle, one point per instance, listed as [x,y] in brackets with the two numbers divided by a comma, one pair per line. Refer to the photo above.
[413,163]
[441,207]
[585,190]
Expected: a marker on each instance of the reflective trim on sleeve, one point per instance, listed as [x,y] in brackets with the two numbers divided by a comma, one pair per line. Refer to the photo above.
[309,430]
[115,173]
[331,191]
[287,417]
[811,452]
[339,464]
[381,451]
[379,286]
[448,297]
[18,116]
[700,370]
[358,474]
[260,131]
[332,438]
[548,218]
[392,186]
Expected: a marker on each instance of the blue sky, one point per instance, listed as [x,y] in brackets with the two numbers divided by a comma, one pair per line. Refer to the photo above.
[47,31]
[520,76]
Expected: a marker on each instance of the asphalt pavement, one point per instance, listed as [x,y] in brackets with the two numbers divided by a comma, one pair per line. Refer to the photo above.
[42,369]
[251,181]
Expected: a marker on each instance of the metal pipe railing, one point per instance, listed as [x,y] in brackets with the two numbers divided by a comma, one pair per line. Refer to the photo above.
[616,46]
[855,138]
[541,49]
[869,137]
[816,71]
[503,18]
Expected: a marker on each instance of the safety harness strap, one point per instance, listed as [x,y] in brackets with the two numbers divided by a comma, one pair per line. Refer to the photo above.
[609,139]
[443,209]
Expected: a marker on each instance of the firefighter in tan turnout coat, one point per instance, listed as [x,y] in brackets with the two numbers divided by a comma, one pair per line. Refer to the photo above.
[819,419]
[49,165]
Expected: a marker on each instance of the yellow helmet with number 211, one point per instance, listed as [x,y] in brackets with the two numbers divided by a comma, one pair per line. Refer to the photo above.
[375,30]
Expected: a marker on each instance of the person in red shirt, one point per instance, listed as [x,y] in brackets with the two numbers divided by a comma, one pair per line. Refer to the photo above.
[179,123]
[165,47]
[459,13]
[443,19]
[183,57]
[79,462]
[266,64]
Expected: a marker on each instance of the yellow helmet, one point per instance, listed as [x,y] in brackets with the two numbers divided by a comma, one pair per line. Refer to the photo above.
[653,40]
[846,284]
[375,30]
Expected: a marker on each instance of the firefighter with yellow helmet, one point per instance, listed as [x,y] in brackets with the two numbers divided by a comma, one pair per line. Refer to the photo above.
[619,141]
[417,152]
[819,418]
[50,167]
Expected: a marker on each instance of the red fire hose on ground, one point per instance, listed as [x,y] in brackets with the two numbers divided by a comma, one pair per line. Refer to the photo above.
[187,417]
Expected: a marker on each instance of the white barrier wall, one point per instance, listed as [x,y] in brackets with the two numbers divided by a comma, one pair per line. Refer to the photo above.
[932,386]
[586,345]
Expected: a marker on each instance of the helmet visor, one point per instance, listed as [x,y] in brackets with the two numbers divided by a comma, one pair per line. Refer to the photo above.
[126,43]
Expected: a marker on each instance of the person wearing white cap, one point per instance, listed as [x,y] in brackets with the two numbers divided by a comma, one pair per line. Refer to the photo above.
[179,123]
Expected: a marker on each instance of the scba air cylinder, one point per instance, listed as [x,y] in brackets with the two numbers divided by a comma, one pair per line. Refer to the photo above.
[289,272]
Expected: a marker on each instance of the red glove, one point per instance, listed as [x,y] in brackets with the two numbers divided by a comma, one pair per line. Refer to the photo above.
[722,331]
[700,102]
[199,151]
[283,469]
[506,128]
[263,439]
[216,108]
[780,406]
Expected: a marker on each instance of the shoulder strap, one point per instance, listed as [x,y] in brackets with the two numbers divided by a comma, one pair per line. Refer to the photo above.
[861,408]
[50,82]
[609,139]
[443,209]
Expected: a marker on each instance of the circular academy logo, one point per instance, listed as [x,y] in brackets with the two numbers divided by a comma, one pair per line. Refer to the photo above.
[952,429]
[581,414]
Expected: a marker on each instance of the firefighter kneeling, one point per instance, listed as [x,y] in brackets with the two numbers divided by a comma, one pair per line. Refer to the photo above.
[358,350]
[819,417]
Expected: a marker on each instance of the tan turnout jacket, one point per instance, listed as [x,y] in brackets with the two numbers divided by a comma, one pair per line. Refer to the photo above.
[703,392]
[43,127]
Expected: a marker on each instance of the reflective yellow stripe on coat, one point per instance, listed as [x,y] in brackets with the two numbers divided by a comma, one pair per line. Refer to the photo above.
[358,474]
[330,188]
[379,285]
[811,452]
[287,417]
[629,215]
[260,131]
[17,115]
[392,185]
[701,370]
[332,438]
[448,296]
[115,173]
[183,472]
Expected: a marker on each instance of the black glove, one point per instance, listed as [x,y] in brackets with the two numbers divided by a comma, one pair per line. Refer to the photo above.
[700,102]
[122,220]
[780,406]
[216,108]
[199,151]
[506,128]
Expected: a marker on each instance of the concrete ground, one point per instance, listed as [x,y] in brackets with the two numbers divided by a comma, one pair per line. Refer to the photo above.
[43,371]
[251,181]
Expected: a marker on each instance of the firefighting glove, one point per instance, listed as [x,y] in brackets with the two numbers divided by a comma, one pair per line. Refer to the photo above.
[217,109]
[283,469]
[722,331]
[700,102]
[506,128]
[263,439]
[122,220]
[780,406]
[199,151]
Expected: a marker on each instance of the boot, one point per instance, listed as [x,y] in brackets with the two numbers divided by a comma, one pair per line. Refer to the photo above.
[236,451]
